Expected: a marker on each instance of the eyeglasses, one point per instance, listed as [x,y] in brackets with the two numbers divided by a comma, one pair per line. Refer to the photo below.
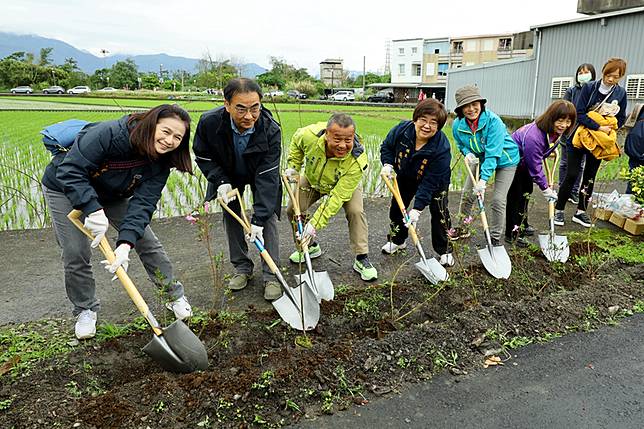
[422,122]
[242,110]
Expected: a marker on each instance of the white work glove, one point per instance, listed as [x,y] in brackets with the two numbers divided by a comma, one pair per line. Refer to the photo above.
[97,224]
[291,175]
[308,233]
[388,171]
[121,259]
[550,194]
[413,215]
[471,159]
[479,187]
[256,233]
[222,192]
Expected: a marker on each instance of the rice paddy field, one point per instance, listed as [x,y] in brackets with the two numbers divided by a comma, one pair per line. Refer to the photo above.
[23,158]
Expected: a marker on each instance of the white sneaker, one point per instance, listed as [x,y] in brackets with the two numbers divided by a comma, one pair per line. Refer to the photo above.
[180,307]
[447,260]
[86,325]
[391,248]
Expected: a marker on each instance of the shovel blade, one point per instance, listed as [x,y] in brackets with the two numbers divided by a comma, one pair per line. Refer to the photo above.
[296,301]
[178,349]
[554,247]
[322,282]
[432,270]
[496,261]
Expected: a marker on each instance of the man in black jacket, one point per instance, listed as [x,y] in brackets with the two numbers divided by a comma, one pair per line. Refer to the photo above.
[236,145]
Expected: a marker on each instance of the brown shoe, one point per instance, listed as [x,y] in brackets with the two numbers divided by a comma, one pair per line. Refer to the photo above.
[272,290]
[239,281]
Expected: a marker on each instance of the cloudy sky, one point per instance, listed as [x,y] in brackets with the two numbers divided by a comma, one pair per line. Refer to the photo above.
[301,32]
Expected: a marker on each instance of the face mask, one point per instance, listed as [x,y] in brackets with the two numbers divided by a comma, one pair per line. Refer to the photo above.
[584,77]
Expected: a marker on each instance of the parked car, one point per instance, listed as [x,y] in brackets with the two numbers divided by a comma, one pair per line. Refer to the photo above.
[343,96]
[54,90]
[107,89]
[79,90]
[25,89]
[296,94]
[277,93]
[381,97]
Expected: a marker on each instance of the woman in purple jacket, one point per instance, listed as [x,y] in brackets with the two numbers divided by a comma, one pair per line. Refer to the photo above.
[536,140]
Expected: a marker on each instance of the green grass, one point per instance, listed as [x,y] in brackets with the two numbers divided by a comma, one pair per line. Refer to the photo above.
[24,158]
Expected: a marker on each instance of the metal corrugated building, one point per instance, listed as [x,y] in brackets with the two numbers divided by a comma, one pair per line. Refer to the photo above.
[523,88]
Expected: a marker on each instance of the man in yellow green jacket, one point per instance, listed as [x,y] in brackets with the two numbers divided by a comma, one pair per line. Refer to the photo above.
[334,162]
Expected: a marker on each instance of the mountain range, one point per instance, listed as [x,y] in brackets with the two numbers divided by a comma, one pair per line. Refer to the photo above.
[87,62]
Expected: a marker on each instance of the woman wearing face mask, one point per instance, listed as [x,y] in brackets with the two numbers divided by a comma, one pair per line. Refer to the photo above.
[115,172]
[483,138]
[537,141]
[592,97]
[585,73]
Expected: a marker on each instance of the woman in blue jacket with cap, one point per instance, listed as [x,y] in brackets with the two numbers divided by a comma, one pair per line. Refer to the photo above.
[114,173]
[484,140]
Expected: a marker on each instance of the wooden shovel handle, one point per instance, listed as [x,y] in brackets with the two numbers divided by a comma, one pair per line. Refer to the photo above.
[294,200]
[131,290]
[395,191]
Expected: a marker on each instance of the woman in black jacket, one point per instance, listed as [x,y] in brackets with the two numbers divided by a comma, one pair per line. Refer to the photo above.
[114,173]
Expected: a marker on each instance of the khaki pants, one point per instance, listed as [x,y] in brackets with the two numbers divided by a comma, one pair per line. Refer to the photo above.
[353,210]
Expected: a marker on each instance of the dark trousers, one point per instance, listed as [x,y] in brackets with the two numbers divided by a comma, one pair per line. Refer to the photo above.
[588,179]
[437,208]
[516,210]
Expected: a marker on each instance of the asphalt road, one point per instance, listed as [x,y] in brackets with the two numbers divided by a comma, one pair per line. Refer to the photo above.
[586,380]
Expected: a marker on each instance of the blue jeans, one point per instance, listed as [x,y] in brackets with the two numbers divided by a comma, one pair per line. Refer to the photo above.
[76,253]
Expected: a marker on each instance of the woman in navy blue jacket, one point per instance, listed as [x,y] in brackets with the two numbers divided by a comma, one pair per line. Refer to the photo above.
[418,152]
[114,173]
[593,94]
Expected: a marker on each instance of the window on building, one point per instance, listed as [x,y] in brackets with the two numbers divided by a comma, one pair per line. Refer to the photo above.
[416,69]
[635,86]
[457,47]
[442,69]
[401,51]
[437,51]
[505,44]
[401,69]
[414,50]
[559,86]
[430,69]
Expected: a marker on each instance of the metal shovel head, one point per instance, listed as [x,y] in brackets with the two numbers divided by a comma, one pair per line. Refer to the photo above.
[178,349]
[496,261]
[289,304]
[554,247]
[322,282]
[432,270]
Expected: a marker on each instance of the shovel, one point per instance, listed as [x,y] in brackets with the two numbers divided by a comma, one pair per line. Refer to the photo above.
[430,268]
[299,307]
[495,259]
[176,348]
[318,281]
[554,247]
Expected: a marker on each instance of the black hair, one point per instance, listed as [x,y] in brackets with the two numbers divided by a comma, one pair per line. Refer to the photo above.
[241,85]
[588,67]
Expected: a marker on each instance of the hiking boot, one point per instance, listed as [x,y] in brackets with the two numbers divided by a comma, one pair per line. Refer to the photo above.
[365,269]
[390,247]
[447,260]
[573,199]
[239,281]
[315,251]
[559,218]
[180,307]
[528,231]
[457,233]
[85,325]
[519,241]
[582,219]
[272,290]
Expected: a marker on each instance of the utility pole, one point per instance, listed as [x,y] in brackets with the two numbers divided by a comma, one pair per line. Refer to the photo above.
[364,68]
